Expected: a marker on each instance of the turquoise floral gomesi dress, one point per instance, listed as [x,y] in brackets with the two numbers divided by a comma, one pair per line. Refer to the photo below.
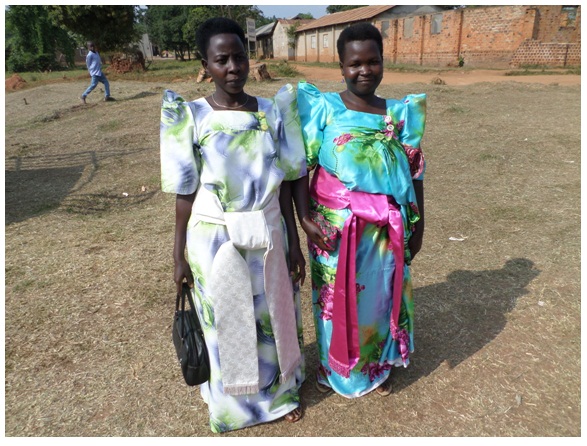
[377,154]
[242,158]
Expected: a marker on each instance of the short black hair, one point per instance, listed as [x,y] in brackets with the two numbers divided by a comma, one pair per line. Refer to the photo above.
[213,27]
[359,31]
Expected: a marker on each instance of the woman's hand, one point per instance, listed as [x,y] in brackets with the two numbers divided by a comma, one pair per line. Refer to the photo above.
[182,271]
[315,234]
[415,243]
[297,264]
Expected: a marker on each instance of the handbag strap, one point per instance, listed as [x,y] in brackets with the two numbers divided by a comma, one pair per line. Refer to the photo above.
[185,291]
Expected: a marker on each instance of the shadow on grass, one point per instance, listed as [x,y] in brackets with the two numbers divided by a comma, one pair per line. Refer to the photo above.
[456,318]
[142,94]
[38,184]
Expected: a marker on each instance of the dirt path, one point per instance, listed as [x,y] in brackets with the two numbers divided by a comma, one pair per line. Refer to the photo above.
[449,77]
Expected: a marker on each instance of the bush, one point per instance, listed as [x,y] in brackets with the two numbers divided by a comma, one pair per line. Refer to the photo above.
[21,61]
[283,69]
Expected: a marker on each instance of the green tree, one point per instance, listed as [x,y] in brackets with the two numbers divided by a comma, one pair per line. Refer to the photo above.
[166,24]
[111,27]
[174,27]
[290,31]
[198,15]
[34,40]
[338,8]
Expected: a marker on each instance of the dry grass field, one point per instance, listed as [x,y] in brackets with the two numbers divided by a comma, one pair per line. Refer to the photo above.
[88,267]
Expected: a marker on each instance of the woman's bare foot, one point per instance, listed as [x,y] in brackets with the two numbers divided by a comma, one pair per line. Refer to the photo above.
[385,388]
[294,415]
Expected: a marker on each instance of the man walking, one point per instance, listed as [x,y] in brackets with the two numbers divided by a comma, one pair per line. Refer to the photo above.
[94,63]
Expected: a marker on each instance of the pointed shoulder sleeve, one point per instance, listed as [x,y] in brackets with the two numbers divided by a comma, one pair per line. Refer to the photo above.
[312,108]
[412,132]
[180,160]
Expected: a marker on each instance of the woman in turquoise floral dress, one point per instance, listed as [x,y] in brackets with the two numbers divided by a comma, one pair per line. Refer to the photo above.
[366,195]
[225,157]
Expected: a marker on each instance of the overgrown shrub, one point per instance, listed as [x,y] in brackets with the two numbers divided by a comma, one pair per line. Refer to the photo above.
[20,61]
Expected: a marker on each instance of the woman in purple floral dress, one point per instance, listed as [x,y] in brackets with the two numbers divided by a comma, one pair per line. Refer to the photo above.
[366,196]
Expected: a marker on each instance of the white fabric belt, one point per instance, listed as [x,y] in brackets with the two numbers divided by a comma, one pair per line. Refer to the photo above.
[232,291]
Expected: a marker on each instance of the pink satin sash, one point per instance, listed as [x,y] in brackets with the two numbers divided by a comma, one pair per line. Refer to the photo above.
[379,210]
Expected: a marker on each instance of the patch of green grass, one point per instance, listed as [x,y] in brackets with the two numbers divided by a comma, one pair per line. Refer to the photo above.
[282,69]
[48,76]
[320,64]
[45,207]
[455,109]
[534,66]
[501,213]
[488,157]
[410,68]
[165,71]
[110,126]
[574,70]
[542,70]
[24,285]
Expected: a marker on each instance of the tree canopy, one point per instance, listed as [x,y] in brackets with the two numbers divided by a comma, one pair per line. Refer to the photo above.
[33,39]
[174,27]
[111,27]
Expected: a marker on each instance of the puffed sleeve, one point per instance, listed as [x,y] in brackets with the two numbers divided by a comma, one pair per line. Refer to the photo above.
[180,162]
[292,156]
[412,132]
[312,108]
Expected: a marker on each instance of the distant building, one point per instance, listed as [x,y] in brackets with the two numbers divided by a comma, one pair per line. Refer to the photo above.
[273,41]
[316,41]
[283,45]
[264,38]
[480,36]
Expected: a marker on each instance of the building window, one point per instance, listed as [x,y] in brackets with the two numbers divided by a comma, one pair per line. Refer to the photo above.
[313,42]
[568,17]
[385,29]
[408,27]
[436,24]
[324,40]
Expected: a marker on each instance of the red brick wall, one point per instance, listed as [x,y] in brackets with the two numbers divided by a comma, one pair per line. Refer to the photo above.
[533,52]
[553,26]
[490,36]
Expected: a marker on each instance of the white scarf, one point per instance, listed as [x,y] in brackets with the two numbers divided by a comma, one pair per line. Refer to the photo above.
[232,292]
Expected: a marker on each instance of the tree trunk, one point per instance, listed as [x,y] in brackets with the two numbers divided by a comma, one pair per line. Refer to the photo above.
[259,72]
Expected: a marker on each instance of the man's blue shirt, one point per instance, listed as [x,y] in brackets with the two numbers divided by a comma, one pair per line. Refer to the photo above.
[94,63]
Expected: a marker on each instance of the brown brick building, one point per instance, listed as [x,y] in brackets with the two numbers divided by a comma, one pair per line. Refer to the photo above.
[484,36]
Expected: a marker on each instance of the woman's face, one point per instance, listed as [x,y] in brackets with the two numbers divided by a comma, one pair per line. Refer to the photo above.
[362,67]
[227,63]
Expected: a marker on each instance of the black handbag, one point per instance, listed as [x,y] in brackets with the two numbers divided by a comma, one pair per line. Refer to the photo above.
[189,341]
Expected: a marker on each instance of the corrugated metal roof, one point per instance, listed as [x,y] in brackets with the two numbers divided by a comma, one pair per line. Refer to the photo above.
[353,15]
[265,29]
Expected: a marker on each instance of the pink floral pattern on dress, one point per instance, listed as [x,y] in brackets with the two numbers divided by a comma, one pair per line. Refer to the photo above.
[328,229]
[326,301]
[343,139]
[416,160]
[375,370]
